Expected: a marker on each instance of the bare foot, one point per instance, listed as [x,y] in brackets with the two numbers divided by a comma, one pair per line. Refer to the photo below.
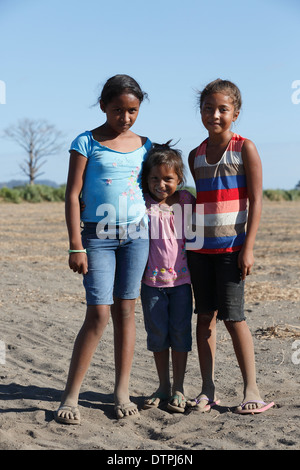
[177,402]
[126,409]
[67,414]
[202,403]
[155,400]
[161,395]
[253,407]
[252,400]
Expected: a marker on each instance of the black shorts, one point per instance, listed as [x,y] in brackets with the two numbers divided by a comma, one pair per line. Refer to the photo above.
[217,284]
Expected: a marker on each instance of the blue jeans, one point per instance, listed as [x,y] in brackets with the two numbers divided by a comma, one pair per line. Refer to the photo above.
[115,267]
[167,316]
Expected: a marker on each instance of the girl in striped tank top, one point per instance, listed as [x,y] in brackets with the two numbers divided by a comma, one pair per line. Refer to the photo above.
[228,176]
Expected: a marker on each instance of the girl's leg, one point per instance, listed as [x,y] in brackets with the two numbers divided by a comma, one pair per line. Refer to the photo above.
[244,350]
[162,361]
[123,315]
[131,258]
[178,401]
[155,309]
[96,320]
[163,392]
[179,360]
[180,333]
[203,274]
[206,344]
[162,366]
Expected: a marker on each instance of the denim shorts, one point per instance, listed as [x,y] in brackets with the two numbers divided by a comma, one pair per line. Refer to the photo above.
[217,284]
[167,316]
[115,266]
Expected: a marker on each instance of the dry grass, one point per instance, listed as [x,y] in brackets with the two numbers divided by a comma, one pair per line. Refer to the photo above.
[277,254]
[279,331]
[35,234]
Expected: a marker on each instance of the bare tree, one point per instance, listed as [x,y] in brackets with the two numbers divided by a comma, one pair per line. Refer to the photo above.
[39,139]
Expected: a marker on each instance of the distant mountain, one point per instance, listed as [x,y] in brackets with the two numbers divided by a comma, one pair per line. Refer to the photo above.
[14,183]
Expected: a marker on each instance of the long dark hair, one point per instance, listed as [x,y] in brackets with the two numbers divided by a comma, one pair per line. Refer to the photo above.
[222,86]
[119,84]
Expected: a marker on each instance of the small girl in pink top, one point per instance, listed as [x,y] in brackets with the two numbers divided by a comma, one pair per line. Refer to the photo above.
[166,286]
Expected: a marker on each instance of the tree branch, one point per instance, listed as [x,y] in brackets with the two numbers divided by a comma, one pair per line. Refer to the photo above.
[38,139]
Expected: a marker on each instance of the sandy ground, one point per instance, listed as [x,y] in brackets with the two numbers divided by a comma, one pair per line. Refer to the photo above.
[42,307]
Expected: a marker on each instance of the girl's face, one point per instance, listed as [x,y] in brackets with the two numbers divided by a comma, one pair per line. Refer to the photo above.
[162,182]
[121,112]
[218,113]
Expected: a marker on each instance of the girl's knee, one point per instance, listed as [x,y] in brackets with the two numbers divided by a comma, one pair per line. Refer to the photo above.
[97,315]
[123,309]
[207,318]
[236,326]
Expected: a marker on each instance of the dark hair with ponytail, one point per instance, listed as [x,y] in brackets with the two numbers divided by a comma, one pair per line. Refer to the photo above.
[162,154]
[222,86]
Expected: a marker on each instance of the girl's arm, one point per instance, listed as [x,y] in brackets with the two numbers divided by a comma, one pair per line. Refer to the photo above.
[253,169]
[191,162]
[77,261]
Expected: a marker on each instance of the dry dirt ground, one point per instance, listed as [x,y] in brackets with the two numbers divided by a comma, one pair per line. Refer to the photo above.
[42,307]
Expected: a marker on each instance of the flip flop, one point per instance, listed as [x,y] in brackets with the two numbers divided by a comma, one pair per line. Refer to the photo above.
[210,403]
[256,410]
[65,420]
[181,399]
[156,396]
[123,410]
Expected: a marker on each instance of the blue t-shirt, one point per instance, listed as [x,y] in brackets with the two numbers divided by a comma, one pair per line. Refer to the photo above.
[111,191]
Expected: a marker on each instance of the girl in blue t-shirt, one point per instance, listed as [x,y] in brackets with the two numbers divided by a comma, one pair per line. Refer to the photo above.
[112,250]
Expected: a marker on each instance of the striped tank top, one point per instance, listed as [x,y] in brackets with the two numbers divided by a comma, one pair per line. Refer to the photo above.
[222,193]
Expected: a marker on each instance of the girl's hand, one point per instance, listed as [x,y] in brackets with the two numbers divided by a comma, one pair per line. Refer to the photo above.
[245,262]
[78,262]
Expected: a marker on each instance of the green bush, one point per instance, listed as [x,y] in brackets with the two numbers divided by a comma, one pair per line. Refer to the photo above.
[294,194]
[59,193]
[10,195]
[281,194]
[40,192]
[33,193]
[270,194]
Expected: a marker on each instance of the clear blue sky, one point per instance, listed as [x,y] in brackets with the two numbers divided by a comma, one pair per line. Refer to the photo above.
[55,56]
